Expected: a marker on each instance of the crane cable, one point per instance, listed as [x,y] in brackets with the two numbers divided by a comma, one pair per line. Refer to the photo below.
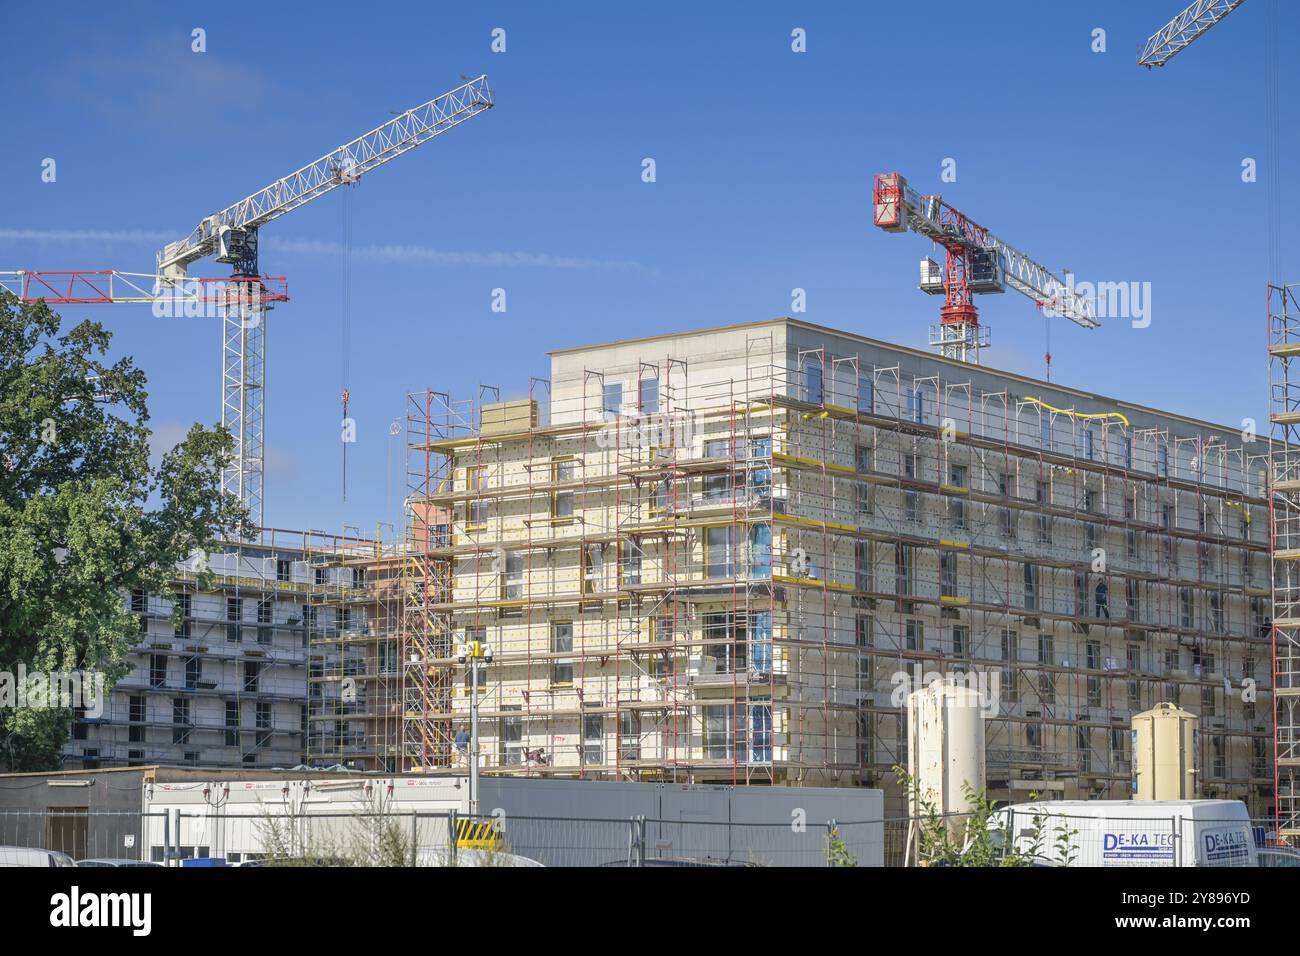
[345,273]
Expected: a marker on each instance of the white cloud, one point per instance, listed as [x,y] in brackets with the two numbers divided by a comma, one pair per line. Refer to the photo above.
[405,253]
[317,247]
[83,235]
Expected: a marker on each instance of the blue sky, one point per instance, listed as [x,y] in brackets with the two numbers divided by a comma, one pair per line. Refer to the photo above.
[764,165]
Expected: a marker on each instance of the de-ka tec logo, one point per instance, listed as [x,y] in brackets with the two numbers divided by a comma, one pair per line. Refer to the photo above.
[1137,845]
[76,909]
[1225,846]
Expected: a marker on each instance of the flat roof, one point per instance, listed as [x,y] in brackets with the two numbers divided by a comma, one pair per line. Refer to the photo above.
[908,350]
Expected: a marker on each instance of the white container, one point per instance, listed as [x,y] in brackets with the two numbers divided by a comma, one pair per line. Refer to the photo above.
[1123,833]
[945,751]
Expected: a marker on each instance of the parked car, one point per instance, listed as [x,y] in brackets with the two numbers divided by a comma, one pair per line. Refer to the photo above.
[1276,856]
[107,861]
[32,856]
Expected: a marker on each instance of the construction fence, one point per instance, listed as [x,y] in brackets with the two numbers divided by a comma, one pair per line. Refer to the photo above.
[414,838]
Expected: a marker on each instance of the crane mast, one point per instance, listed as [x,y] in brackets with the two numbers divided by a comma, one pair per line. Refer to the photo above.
[976,262]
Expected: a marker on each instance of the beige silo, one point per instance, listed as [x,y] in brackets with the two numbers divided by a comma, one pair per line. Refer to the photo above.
[1164,754]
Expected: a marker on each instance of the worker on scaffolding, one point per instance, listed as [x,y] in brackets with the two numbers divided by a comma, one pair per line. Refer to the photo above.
[462,746]
[1103,599]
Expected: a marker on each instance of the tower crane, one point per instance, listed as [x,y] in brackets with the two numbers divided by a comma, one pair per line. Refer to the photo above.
[977,262]
[231,237]
[1184,30]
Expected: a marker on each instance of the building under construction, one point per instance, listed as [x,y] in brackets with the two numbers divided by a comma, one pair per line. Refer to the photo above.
[265,653]
[725,555]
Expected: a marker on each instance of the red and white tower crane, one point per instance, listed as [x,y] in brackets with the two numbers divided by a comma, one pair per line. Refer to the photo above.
[244,299]
[976,262]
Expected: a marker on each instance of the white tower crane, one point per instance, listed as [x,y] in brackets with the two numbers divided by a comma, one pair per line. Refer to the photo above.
[1184,30]
[231,237]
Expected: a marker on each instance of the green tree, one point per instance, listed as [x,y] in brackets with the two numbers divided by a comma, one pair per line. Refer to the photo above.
[84,518]
[982,836]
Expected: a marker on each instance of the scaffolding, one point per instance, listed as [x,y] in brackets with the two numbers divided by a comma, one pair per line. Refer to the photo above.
[1284,514]
[729,576]
[353,677]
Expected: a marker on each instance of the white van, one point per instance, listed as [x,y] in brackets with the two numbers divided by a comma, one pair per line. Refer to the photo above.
[26,856]
[1134,832]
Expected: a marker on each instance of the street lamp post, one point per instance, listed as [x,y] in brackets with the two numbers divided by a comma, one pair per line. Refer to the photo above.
[478,655]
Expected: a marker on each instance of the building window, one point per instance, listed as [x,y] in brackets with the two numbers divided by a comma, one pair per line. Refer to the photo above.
[760,733]
[263,718]
[1046,649]
[593,568]
[720,551]
[611,401]
[633,555]
[283,569]
[265,618]
[760,551]
[180,720]
[562,643]
[865,495]
[157,670]
[232,723]
[193,672]
[863,459]
[903,568]
[862,565]
[1031,587]
[812,381]
[916,405]
[139,605]
[512,576]
[914,635]
[865,638]
[1009,654]
[629,736]
[960,640]
[510,734]
[593,738]
[137,713]
[234,614]
[866,395]
[562,501]
[947,574]
[252,670]
[717,731]
[648,396]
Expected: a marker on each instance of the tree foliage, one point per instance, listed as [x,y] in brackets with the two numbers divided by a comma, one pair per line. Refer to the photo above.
[982,836]
[84,517]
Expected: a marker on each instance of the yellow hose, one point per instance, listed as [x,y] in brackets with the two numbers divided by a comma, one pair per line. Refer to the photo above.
[1062,411]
